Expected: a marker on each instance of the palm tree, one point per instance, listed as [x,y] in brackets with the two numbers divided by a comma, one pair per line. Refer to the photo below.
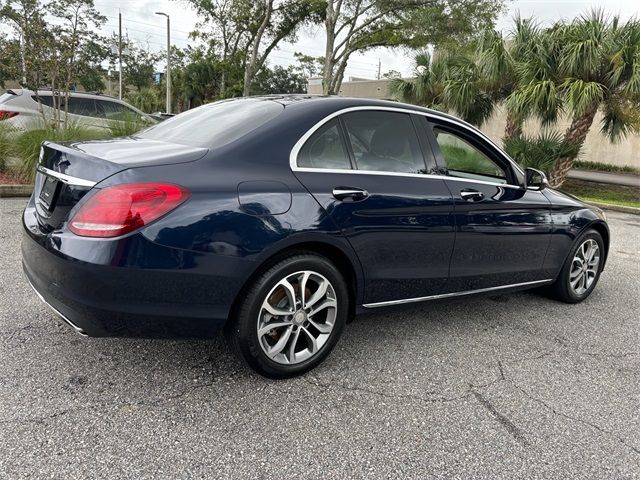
[580,67]
[448,81]
[468,82]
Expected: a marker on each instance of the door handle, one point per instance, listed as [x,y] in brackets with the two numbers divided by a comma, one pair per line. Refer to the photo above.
[355,194]
[471,195]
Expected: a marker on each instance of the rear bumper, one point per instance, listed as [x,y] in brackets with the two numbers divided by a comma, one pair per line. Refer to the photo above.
[130,286]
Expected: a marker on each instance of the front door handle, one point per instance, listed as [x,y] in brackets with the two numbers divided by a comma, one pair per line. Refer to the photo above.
[350,193]
[471,195]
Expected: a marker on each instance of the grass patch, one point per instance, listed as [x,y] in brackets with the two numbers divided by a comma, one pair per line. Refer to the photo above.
[6,144]
[605,167]
[27,144]
[126,125]
[603,192]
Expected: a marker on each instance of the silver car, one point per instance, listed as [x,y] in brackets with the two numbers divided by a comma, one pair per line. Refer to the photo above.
[23,109]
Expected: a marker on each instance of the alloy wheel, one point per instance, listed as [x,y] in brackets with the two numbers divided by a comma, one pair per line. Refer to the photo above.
[297,317]
[584,267]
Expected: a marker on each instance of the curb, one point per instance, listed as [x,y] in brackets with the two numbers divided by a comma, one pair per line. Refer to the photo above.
[616,208]
[15,190]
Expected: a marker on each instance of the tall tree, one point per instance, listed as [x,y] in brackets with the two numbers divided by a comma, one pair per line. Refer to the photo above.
[580,67]
[280,80]
[9,59]
[249,30]
[449,81]
[357,25]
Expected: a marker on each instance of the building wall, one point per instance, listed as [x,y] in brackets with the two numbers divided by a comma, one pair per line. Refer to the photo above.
[596,148]
[378,89]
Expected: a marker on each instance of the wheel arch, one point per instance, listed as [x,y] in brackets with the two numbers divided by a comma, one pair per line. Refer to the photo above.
[603,230]
[348,266]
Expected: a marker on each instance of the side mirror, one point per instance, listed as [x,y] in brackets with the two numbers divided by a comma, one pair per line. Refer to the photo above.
[535,179]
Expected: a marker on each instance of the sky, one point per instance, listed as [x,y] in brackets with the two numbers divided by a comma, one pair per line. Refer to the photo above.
[143,26]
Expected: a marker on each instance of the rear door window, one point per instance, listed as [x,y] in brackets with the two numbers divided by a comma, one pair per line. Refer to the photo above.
[325,149]
[384,141]
[82,106]
[115,111]
[46,100]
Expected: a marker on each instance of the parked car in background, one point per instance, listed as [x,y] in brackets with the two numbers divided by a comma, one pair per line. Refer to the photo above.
[278,218]
[23,109]
[162,116]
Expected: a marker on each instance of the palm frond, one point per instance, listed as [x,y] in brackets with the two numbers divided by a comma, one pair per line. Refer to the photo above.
[583,96]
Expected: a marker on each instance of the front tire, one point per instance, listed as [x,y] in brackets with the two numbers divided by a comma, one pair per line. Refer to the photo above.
[581,270]
[291,316]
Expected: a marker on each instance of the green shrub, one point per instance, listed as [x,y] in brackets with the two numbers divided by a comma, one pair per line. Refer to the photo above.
[540,152]
[605,167]
[6,144]
[27,144]
[126,125]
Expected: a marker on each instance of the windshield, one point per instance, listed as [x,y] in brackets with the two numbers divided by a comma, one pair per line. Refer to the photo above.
[215,124]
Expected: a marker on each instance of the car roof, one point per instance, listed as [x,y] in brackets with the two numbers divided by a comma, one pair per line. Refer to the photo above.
[335,103]
[42,92]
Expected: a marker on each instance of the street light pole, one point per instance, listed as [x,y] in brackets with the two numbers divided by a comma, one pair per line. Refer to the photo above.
[168,61]
[119,55]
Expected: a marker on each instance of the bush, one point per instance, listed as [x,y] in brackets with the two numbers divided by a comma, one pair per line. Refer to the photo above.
[126,126]
[539,152]
[27,144]
[6,144]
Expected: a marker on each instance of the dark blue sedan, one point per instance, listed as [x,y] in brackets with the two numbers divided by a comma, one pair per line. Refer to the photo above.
[277,219]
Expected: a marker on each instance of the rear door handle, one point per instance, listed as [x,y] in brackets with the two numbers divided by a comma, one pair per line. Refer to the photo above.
[350,193]
[471,195]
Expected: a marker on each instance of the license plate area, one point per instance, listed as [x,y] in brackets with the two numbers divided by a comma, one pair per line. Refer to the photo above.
[49,192]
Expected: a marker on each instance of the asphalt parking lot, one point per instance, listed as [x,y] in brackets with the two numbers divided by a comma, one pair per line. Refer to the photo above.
[509,386]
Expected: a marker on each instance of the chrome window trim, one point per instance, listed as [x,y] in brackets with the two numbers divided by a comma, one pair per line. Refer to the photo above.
[455,294]
[81,182]
[293,155]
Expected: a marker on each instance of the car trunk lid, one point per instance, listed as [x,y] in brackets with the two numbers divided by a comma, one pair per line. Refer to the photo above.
[67,172]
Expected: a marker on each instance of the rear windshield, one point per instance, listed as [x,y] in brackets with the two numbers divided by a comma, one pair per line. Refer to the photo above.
[215,124]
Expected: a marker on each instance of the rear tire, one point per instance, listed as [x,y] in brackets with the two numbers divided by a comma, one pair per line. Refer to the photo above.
[581,270]
[291,316]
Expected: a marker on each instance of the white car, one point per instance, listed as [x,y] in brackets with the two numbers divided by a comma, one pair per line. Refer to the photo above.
[23,109]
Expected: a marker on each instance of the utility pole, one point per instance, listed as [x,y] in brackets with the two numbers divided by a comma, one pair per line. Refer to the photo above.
[379,66]
[120,53]
[168,61]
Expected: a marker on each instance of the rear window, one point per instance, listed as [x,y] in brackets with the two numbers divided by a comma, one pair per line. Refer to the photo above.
[215,124]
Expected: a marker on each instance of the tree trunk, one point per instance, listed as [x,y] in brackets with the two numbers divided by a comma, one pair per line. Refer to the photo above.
[513,128]
[329,61]
[576,135]
[251,68]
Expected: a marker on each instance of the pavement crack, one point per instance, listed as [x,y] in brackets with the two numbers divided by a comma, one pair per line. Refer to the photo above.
[502,419]
[575,419]
[371,391]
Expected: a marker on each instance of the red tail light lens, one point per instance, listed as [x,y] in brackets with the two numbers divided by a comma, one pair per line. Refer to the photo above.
[4,115]
[121,209]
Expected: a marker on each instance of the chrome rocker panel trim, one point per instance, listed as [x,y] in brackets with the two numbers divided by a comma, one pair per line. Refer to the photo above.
[455,294]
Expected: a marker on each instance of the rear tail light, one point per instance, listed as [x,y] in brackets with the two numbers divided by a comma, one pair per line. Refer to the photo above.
[4,114]
[121,209]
